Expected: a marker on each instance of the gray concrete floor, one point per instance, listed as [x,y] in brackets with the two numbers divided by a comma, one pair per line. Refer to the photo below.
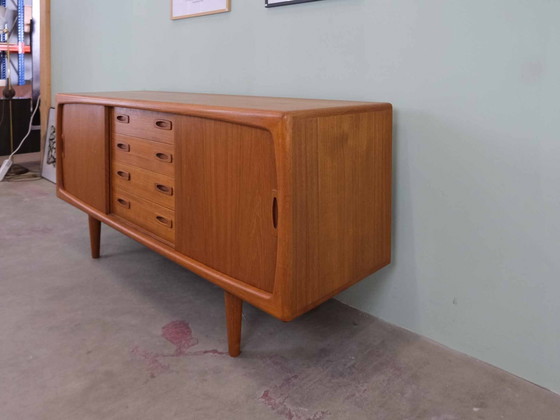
[134,336]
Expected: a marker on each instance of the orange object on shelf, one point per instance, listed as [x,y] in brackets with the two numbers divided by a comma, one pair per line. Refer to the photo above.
[14,48]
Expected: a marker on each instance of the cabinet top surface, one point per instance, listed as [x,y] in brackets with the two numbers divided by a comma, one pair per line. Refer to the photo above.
[256,103]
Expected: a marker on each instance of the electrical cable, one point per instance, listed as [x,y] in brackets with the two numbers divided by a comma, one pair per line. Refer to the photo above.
[29,130]
[30,175]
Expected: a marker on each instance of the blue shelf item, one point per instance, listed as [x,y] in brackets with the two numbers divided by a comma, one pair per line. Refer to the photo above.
[2,54]
[21,42]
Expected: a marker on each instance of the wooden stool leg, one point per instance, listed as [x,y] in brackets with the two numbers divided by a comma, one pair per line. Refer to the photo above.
[94,236]
[234,309]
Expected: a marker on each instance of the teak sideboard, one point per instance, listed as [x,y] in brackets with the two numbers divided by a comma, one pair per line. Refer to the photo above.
[281,202]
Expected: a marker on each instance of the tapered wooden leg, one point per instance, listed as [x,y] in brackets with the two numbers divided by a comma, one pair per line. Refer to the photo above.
[94,236]
[234,309]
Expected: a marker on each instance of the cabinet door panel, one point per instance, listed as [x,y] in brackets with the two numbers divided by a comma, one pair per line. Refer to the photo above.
[85,154]
[226,182]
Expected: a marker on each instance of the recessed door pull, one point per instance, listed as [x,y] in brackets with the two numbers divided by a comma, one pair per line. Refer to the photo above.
[164,189]
[164,221]
[164,157]
[124,203]
[163,124]
[122,118]
[124,175]
[125,147]
[275,212]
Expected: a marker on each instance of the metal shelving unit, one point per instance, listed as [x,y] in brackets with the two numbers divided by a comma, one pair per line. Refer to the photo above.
[19,47]
[15,54]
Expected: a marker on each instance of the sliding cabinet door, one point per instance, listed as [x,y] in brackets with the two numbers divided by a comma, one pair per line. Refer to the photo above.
[226,199]
[84,153]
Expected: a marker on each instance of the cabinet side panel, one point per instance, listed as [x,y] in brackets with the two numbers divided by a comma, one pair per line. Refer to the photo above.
[342,208]
[85,154]
[226,182]
[306,210]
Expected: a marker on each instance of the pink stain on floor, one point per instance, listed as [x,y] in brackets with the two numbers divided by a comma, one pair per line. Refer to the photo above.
[153,364]
[276,398]
[178,333]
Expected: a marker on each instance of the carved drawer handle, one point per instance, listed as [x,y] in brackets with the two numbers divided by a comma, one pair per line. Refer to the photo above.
[164,157]
[125,147]
[124,175]
[122,118]
[124,203]
[164,221]
[164,189]
[163,124]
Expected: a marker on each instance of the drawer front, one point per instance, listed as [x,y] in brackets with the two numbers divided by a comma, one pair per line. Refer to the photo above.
[149,125]
[156,219]
[152,186]
[156,157]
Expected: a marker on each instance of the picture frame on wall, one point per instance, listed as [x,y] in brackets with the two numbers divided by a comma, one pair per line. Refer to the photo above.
[181,9]
[48,167]
[274,3]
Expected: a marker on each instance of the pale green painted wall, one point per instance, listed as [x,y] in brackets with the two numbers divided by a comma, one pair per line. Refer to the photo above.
[475,85]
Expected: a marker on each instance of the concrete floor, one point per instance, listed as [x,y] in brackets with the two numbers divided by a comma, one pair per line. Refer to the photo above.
[134,336]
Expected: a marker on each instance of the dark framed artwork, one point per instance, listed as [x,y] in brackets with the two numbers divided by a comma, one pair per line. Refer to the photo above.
[274,3]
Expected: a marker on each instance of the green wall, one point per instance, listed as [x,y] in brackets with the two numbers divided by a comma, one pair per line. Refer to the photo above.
[475,86]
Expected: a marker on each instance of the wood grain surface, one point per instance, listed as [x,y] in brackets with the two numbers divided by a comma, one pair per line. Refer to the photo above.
[94,236]
[151,155]
[227,178]
[281,202]
[234,312]
[151,216]
[342,203]
[83,151]
[186,103]
[155,126]
[146,184]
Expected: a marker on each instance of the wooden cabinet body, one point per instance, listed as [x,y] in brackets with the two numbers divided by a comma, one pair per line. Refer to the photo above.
[281,202]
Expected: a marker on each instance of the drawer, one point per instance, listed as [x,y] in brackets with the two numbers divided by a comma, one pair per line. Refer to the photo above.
[152,186]
[151,155]
[149,125]
[156,219]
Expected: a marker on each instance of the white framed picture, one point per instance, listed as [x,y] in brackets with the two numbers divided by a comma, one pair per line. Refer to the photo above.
[48,169]
[181,9]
